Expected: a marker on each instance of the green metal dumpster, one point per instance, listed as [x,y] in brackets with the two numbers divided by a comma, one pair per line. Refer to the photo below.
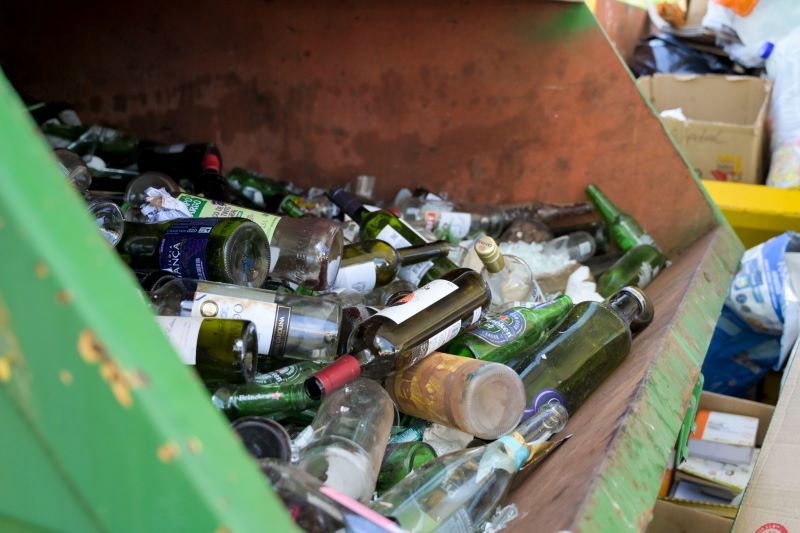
[103,428]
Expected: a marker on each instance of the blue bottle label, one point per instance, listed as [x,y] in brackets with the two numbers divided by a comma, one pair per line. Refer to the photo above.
[183,247]
[542,398]
[499,329]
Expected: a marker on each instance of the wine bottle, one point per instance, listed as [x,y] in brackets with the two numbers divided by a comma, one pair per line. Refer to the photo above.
[590,343]
[151,280]
[182,162]
[221,351]
[477,397]
[624,230]
[349,437]
[506,335]
[115,148]
[460,491]
[305,251]
[401,459]
[252,399]
[257,191]
[263,438]
[400,335]
[229,250]
[319,509]
[352,317]
[369,264]
[211,183]
[288,325]
[385,226]
[508,277]
[638,266]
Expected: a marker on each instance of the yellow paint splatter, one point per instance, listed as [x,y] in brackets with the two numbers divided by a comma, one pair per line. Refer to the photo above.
[88,348]
[168,452]
[222,529]
[194,445]
[66,377]
[5,370]
[41,270]
[92,351]
[63,297]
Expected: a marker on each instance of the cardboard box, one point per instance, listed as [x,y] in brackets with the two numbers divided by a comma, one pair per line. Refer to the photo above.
[722,134]
[670,517]
[772,499]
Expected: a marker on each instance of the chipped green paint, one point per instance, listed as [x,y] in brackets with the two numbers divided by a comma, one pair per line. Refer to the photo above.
[623,494]
[103,428]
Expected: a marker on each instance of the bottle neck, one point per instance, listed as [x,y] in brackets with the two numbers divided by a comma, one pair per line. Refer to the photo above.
[607,209]
[423,252]
[349,204]
[550,311]
[631,305]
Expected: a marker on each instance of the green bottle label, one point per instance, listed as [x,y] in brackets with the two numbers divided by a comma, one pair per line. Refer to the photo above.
[183,248]
[500,329]
[203,208]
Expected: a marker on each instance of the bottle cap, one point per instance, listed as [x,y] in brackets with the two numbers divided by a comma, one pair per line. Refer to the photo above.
[645,312]
[211,162]
[264,437]
[766,50]
[345,200]
[489,254]
[336,375]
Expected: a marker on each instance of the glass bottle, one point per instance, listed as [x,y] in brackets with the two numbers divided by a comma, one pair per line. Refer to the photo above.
[306,251]
[257,191]
[461,490]
[293,326]
[477,397]
[350,434]
[385,226]
[638,266]
[151,280]
[369,264]
[229,250]
[263,437]
[624,230]
[591,342]
[116,148]
[290,373]
[185,163]
[577,246]
[509,277]
[276,400]
[400,335]
[319,509]
[221,351]
[504,336]
[352,317]
[595,228]
[401,459]
[211,183]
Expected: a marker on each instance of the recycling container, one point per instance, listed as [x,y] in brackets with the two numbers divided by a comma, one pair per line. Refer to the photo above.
[494,102]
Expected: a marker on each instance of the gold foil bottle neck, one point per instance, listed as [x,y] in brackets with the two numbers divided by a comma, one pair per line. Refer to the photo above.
[489,253]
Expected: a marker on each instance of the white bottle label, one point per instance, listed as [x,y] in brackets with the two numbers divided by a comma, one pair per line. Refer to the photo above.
[476,315]
[419,300]
[182,332]
[263,314]
[390,235]
[443,336]
[360,277]
[413,273]
[455,222]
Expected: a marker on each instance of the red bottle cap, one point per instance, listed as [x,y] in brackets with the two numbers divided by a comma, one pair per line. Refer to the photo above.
[211,162]
[337,374]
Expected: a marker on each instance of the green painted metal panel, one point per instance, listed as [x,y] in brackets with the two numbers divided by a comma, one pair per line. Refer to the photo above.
[117,431]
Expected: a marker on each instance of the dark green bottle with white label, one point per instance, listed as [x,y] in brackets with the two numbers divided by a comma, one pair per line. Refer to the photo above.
[508,335]
[229,250]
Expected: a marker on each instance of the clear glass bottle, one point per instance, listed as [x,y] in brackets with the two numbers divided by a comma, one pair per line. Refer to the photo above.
[263,437]
[509,277]
[221,351]
[461,490]
[477,397]
[400,460]
[577,246]
[288,325]
[400,335]
[306,251]
[350,434]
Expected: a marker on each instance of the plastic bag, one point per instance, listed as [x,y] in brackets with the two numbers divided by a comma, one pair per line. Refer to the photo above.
[670,54]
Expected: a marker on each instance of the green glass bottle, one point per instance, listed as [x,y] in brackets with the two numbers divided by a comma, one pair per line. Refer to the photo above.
[623,228]
[257,191]
[591,342]
[384,226]
[399,460]
[291,374]
[276,400]
[369,264]
[229,250]
[638,266]
[221,351]
[508,335]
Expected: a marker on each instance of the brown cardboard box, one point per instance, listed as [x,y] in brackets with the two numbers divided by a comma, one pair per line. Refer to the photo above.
[772,499]
[723,134]
[670,517]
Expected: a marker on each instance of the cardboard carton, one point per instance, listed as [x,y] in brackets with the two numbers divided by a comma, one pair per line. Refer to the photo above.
[718,121]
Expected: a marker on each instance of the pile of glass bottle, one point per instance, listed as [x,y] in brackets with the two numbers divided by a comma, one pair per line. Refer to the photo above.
[389,366]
